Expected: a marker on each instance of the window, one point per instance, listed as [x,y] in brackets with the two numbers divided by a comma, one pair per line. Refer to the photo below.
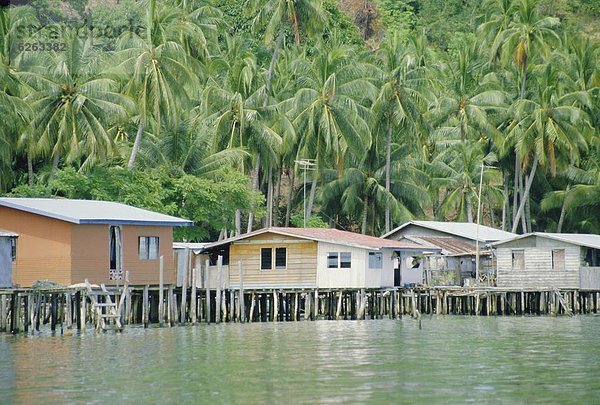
[558,259]
[345,260]
[280,258]
[266,259]
[13,249]
[375,260]
[148,247]
[332,260]
[518,260]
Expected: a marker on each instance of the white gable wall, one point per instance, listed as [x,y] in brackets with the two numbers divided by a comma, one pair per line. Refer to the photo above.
[358,275]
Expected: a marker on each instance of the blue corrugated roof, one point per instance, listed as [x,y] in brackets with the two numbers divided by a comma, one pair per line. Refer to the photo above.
[92,212]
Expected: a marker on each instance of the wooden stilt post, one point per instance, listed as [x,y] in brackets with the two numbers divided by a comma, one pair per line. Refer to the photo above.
[316,306]
[193,299]
[251,315]
[207,287]
[145,307]
[3,313]
[161,292]
[241,297]
[184,285]
[275,305]
[339,304]
[218,292]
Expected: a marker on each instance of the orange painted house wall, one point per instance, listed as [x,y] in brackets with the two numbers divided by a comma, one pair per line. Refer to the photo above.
[43,248]
[68,253]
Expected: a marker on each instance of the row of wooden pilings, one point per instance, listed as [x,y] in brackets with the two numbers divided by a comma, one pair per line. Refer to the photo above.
[65,309]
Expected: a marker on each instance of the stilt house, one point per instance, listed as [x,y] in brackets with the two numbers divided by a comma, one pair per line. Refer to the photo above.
[549,260]
[453,251]
[67,241]
[309,258]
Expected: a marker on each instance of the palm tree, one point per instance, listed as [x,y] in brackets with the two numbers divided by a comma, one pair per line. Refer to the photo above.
[360,192]
[397,104]
[73,102]
[233,109]
[327,111]
[547,128]
[470,93]
[457,171]
[528,31]
[162,74]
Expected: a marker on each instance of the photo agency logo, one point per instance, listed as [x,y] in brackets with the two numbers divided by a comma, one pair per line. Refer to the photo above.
[51,26]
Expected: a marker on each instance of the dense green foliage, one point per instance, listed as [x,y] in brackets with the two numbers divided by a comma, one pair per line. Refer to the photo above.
[203,108]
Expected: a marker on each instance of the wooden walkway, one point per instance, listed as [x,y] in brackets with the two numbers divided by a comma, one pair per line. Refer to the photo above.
[82,308]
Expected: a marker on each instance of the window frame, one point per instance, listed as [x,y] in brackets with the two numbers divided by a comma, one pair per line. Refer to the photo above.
[279,248]
[263,256]
[518,251]
[330,256]
[554,267]
[346,264]
[144,242]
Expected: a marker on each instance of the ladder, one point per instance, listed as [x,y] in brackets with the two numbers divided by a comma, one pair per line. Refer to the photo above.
[108,310]
[563,302]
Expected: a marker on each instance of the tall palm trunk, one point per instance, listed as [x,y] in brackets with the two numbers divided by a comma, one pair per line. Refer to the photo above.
[469,210]
[271,70]
[525,196]
[296,29]
[255,174]
[505,204]
[288,208]
[311,199]
[563,211]
[276,198]
[54,169]
[238,222]
[270,198]
[363,229]
[388,163]
[29,168]
[136,145]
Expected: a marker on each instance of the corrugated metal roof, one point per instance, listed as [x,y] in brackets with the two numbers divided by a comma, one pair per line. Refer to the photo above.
[580,239]
[92,212]
[331,236]
[462,229]
[450,246]
[9,234]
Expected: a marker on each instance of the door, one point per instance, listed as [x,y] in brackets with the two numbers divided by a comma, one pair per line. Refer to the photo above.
[115,271]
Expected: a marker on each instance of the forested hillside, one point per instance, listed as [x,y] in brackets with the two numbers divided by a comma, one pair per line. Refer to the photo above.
[203,109]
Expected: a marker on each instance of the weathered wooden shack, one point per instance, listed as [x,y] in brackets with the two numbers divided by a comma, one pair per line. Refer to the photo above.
[67,241]
[309,258]
[549,260]
[8,241]
[453,250]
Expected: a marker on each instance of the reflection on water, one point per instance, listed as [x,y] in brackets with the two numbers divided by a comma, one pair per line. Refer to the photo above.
[452,359]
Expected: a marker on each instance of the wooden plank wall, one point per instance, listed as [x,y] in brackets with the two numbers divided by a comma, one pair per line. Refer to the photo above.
[301,262]
[538,272]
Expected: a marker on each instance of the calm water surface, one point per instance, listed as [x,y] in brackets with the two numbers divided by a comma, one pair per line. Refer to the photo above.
[449,360]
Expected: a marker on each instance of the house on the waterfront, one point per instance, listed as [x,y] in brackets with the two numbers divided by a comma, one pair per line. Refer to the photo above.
[309,258]
[67,241]
[549,260]
[188,256]
[8,245]
[454,260]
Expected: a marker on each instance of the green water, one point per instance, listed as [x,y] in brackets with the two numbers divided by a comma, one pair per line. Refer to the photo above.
[449,360]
